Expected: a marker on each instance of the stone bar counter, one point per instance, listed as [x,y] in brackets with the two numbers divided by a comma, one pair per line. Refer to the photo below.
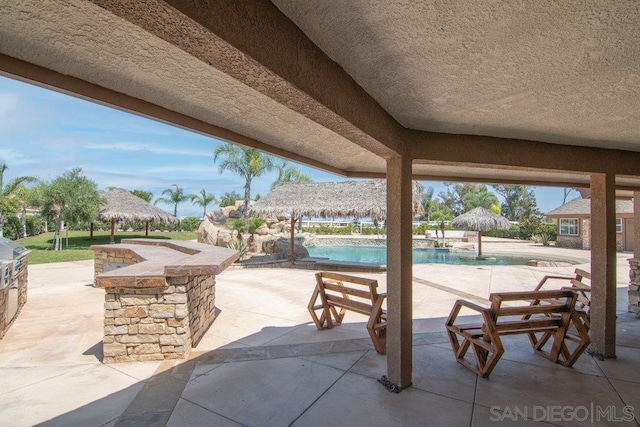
[160,296]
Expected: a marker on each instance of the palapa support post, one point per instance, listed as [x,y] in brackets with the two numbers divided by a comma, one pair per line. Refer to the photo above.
[146,229]
[479,243]
[113,230]
[292,257]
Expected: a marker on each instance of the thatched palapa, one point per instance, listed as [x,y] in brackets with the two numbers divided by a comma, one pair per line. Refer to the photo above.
[481,219]
[124,206]
[360,199]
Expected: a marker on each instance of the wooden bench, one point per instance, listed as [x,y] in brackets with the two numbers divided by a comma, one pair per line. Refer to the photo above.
[517,316]
[581,284]
[336,293]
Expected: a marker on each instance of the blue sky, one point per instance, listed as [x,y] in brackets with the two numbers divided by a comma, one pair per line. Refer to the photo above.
[44,133]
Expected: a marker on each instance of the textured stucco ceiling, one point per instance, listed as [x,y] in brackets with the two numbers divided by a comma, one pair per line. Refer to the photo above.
[81,39]
[555,71]
[531,70]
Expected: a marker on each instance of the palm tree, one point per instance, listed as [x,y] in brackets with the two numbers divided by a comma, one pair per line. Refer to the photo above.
[288,173]
[246,162]
[10,193]
[203,200]
[428,204]
[174,197]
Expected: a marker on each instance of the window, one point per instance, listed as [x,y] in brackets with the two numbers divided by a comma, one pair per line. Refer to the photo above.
[618,225]
[569,226]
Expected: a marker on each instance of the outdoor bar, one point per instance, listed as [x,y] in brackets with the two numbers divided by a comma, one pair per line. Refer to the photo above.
[159,296]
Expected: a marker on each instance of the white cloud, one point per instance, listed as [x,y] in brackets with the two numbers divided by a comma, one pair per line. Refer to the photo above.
[143,147]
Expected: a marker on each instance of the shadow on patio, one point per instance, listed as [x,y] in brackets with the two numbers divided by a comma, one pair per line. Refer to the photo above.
[334,383]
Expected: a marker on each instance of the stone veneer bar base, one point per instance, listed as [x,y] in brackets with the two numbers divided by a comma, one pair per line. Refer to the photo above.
[634,285]
[157,323]
[160,297]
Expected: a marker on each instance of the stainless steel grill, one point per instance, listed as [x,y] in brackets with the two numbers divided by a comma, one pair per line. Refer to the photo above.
[13,263]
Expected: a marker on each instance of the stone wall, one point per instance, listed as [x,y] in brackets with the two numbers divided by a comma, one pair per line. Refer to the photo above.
[634,285]
[157,323]
[113,259]
[4,294]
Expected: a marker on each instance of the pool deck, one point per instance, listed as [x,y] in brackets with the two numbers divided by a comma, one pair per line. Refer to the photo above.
[263,362]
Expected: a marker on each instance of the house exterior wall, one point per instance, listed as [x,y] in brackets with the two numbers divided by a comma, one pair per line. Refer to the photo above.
[583,239]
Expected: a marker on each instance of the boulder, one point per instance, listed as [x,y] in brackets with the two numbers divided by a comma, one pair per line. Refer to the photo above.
[284,247]
[224,238]
[271,221]
[235,214]
[263,230]
[537,263]
[269,246]
[225,211]
[207,232]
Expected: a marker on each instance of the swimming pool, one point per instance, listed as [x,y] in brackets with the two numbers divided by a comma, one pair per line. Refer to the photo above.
[378,255]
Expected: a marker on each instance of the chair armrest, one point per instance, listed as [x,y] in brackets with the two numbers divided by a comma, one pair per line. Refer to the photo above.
[471,305]
[551,276]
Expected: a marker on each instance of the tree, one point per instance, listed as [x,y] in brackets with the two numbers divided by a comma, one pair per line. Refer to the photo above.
[289,173]
[203,200]
[147,196]
[428,204]
[246,162]
[70,198]
[13,195]
[519,201]
[229,199]
[461,198]
[566,192]
[174,197]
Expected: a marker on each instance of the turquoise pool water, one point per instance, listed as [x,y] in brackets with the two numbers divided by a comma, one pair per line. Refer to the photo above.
[378,255]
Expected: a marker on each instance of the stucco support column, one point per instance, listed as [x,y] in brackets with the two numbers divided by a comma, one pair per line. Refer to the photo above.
[603,265]
[636,224]
[399,271]
[634,263]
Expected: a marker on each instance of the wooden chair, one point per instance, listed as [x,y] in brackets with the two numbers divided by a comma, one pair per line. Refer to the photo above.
[336,293]
[581,284]
[518,317]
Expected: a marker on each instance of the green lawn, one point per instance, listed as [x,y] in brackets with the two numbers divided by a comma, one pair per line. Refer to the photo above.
[79,244]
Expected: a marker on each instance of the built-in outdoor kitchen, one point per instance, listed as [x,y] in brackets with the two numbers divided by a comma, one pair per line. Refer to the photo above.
[159,296]
[13,281]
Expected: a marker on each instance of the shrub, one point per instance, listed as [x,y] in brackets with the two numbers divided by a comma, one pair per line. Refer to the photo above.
[373,230]
[190,223]
[12,227]
[254,223]
[35,225]
[325,229]
[240,246]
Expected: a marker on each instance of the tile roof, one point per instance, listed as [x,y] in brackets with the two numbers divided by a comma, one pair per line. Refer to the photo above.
[580,206]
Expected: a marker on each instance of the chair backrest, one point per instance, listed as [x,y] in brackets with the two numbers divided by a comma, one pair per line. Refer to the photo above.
[519,314]
[351,292]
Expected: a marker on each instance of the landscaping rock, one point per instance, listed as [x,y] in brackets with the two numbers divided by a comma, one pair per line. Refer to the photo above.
[536,263]
[284,247]
[207,232]
[263,230]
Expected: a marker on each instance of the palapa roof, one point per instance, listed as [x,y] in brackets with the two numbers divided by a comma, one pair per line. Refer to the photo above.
[582,207]
[124,206]
[359,199]
[481,219]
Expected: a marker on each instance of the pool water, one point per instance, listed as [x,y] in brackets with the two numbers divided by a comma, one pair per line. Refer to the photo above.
[378,255]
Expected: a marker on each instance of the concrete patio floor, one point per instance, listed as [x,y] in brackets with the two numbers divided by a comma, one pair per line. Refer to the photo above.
[263,363]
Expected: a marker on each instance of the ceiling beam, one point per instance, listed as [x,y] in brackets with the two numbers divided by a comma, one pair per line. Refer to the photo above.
[256,44]
[516,153]
[33,74]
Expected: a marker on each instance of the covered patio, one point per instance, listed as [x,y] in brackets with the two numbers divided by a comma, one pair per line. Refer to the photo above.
[539,93]
[266,363]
